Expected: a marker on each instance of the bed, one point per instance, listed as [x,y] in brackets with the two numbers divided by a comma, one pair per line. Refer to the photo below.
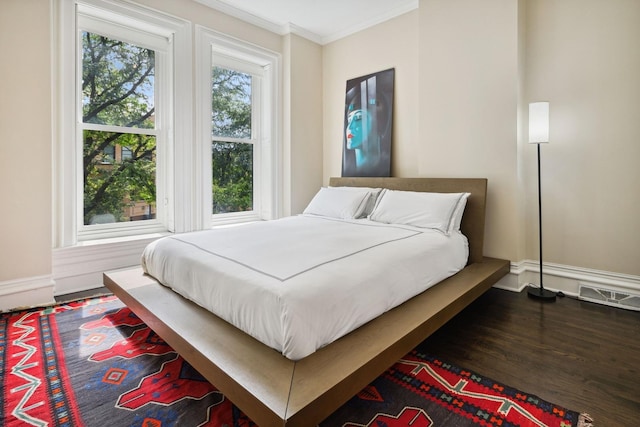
[275,390]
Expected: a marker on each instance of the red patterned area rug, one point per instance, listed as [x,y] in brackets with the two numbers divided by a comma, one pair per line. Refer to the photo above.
[94,363]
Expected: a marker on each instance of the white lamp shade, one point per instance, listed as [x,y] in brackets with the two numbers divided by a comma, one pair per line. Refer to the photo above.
[538,122]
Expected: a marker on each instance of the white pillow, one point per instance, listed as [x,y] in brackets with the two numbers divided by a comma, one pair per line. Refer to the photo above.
[418,209]
[458,213]
[373,197]
[338,203]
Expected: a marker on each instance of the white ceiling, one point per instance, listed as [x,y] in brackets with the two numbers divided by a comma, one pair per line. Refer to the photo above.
[321,21]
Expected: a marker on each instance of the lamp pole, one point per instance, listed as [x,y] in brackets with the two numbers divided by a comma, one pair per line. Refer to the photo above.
[538,133]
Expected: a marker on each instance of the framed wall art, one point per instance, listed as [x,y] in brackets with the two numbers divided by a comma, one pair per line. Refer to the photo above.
[368,122]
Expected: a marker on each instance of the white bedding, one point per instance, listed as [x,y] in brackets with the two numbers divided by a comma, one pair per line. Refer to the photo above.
[298,283]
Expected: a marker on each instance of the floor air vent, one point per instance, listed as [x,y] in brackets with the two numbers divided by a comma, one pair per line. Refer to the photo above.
[609,297]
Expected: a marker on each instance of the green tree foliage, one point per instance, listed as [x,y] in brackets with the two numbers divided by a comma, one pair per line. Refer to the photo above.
[232,162]
[117,90]
[232,177]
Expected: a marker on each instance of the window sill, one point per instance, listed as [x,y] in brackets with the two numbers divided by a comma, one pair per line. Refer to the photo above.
[123,239]
[234,219]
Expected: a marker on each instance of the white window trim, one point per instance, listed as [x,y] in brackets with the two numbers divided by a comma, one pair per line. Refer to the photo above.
[208,44]
[177,133]
[160,41]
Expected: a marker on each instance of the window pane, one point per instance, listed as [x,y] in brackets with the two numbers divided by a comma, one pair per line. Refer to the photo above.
[117,83]
[108,154]
[231,109]
[232,177]
[124,187]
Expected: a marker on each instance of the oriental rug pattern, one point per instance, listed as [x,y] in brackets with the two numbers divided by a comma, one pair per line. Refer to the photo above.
[94,363]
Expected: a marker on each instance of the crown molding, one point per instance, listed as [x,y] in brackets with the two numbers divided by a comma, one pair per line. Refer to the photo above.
[393,13]
[291,28]
[244,16]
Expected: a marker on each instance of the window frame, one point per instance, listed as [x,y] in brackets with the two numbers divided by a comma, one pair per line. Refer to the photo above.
[214,48]
[257,75]
[117,27]
[92,232]
[173,100]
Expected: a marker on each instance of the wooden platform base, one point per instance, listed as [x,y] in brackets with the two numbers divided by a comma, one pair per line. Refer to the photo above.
[273,390]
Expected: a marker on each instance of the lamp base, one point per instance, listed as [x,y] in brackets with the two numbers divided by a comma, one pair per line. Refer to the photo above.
[542,294]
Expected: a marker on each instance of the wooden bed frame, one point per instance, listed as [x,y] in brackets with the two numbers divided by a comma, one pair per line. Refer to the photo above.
[275,391]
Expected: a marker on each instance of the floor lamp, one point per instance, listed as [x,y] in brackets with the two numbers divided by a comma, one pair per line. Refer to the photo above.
[538,134]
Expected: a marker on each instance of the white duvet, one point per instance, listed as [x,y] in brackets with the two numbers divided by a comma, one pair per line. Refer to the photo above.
[298,283]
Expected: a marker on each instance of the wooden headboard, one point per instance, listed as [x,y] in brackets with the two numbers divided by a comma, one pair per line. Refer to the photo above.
[474,213]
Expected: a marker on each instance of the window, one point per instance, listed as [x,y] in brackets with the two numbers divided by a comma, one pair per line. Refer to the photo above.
[127,164]
[117,114]
[232,146]
[237,115]
[123,98]
[126,153]
[108,155]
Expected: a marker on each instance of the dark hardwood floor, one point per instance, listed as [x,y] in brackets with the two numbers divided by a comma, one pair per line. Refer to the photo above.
[580,355]
[83,294]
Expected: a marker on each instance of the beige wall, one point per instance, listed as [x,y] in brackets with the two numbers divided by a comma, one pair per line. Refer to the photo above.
[25,139]
[583,56]
[303,135]
[392,44]
[468,104]
[455,103]
[473,67]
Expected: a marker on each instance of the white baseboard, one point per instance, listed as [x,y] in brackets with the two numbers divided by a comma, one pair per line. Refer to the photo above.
[565,278]
[26,292]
